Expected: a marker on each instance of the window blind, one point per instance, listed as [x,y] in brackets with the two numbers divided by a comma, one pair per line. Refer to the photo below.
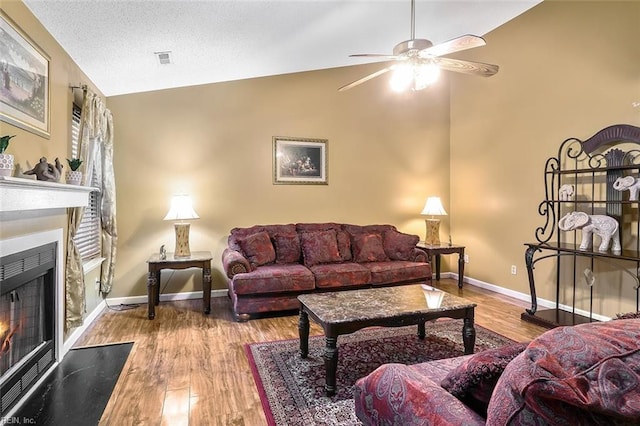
[88,237]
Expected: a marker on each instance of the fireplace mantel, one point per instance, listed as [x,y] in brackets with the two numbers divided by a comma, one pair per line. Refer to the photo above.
[18,195]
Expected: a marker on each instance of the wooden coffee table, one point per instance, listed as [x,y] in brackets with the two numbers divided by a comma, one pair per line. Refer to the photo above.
[344,312]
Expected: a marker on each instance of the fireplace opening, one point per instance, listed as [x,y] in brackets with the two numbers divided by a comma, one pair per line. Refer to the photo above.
[27,320]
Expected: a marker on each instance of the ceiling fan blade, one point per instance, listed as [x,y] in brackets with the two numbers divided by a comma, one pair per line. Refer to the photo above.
[364,79]
[467,67]
[458,44]
[375,55]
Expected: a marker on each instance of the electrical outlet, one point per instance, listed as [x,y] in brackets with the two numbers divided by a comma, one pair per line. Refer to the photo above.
[514,270]
[466,258]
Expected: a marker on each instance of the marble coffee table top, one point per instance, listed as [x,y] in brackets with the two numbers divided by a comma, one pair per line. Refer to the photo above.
[372,303]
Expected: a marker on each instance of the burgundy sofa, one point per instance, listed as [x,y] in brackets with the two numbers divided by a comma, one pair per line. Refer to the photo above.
[587,374]
[268,266]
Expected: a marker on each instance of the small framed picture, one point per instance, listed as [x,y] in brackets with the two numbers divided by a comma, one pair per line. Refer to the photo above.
[299,161]
[24,80]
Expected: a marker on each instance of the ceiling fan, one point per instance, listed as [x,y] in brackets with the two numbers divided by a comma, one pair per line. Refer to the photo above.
[417,62]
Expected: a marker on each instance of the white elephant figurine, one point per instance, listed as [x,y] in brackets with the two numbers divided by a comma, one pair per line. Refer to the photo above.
[565,193]
[630,183]
[604,226]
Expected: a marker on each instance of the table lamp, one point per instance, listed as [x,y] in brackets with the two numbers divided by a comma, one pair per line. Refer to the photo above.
[180,211]
[433,207]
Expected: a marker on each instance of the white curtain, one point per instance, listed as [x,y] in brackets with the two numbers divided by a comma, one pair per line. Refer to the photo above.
[96,152]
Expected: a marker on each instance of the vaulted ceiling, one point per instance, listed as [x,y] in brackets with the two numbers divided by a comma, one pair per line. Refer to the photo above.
[114,42]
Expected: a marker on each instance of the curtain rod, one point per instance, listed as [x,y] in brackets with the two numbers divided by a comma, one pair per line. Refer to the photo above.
[83,87]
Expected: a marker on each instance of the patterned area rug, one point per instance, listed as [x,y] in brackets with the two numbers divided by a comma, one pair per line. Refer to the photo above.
[292,389]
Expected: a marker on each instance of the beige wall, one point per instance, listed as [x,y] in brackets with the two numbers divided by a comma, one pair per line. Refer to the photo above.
[386,154]
[568,69]
[63,73]
[27,147]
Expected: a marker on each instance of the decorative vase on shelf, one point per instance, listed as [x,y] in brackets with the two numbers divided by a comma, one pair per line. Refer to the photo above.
[6,164]
[6,160]
[74,176]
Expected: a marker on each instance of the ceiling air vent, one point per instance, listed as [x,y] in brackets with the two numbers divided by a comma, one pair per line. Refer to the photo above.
[164,58]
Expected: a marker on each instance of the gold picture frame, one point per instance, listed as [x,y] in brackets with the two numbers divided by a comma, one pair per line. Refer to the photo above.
[24,80]
[299,161]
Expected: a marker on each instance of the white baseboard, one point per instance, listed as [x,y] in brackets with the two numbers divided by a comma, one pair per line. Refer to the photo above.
[132,300]
[521,296]
[77,332]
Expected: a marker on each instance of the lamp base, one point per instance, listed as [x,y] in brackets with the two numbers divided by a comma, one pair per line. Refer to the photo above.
[182,240]
[432,237]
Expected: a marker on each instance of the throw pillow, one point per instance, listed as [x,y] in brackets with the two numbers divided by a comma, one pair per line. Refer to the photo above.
[258,249]
[368,248]
[319,247]
[399,246]
[344,245]
[473,381]
[628,315]
[287,248]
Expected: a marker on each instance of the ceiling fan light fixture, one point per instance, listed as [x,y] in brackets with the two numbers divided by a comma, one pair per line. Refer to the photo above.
[425,75]
[414,76]
[402,77]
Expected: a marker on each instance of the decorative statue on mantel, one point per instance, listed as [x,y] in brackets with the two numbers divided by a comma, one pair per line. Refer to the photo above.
[604,226]
[46,171]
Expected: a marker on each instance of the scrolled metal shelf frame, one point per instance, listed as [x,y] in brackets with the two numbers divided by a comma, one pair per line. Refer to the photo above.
[593,159]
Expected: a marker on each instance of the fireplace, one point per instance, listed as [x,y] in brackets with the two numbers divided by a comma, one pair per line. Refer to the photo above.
[33,215]
[27,320]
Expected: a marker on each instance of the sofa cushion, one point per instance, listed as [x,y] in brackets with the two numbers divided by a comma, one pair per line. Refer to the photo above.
[368,248]
[473,381]
[399,246]
[344,245]
[258,249]
[367,229]
[319,247]
[344,242]
[287,248]
[396,394]
[334,275]
[394,271]
[274,279]
[584,374]
[237,234]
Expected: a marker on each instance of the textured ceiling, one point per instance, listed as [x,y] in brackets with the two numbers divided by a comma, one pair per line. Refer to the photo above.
[113,42]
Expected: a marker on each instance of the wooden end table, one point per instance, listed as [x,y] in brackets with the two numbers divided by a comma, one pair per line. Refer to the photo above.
[439,250]
[344,312]
[198,259]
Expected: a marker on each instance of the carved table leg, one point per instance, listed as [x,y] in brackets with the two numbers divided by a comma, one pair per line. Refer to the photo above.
[152,288]
[528,258]
[303,331]
[460,268]
[156,293]
[468,334]
[331,364]
[206,290]
[421,331]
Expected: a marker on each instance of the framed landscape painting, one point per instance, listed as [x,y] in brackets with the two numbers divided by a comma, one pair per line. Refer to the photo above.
[24,80]
[299,161]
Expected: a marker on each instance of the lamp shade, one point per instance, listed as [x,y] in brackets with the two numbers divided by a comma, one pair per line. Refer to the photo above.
[433,207]
[181,208]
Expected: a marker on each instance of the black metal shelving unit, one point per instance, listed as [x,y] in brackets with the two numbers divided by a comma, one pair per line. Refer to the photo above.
[591,166]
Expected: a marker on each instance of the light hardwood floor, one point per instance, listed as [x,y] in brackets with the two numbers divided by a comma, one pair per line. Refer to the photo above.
[190,369]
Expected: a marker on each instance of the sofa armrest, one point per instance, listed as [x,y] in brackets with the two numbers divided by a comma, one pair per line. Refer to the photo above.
[400,394]
[419,255]
[234,262]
